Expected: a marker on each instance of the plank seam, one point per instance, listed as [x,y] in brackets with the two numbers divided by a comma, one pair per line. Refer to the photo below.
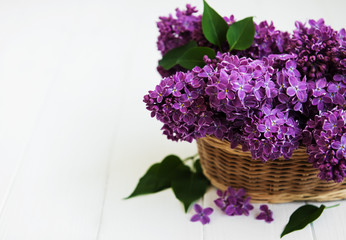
[106,184]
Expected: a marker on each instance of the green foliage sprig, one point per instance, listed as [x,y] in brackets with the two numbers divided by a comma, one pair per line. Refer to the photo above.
[239,36]
[187,182]
[303,216]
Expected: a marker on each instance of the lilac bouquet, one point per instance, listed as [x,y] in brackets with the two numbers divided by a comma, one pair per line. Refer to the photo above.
[270,95]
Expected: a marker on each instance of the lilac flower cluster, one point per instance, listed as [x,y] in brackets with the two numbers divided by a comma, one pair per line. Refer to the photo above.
[186,26]
[320,49]
[267,40]
[270,99]
[233,202]
[244,101]
[325,137]
[177,31]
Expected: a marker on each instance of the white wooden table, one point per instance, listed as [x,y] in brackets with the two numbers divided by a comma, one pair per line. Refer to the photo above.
[75,136]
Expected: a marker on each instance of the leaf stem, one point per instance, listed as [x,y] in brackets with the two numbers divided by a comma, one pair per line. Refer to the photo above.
[336,205]
[190,158]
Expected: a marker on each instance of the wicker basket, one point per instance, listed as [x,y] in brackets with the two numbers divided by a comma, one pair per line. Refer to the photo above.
[274,181]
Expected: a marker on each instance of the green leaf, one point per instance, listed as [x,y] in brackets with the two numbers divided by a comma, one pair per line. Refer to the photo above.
[302,217]
[198,168]
[240,34]
[194,57]
[189,188]
[170,59]
[160,175]
[214,26]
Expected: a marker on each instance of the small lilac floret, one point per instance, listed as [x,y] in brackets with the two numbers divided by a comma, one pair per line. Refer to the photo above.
[202,214]
[266,214]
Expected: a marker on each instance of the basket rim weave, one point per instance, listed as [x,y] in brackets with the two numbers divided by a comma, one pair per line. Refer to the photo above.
[275,181]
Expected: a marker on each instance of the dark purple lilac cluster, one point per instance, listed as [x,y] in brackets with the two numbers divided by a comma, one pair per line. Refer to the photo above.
[233,202]
[177,31]
[186,26]
[320,49]
[325,136]
[267,40]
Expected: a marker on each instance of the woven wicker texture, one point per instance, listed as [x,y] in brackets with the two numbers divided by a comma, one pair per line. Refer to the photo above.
[274,181]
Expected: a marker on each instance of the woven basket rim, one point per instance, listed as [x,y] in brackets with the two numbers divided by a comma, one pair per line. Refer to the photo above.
[274,181]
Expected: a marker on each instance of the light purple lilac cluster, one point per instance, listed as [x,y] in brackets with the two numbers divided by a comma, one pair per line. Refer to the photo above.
[271,98]
[243,101]
[233,202]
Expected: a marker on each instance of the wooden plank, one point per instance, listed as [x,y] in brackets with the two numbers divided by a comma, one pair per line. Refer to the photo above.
[247,227]
[25,78]
[59,189]
[155,216]
[139,144]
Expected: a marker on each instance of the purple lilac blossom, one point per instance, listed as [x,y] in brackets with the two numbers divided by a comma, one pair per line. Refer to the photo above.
[320,50]
[233,202]
[201,215]
[186,26]
[222,99]
[266,214]
[268,102]
[325,136]
[267,40]
[177,31]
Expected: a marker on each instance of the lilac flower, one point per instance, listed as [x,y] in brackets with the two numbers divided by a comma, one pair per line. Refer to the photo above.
[267,128]
[222,201]
[189,96]
[332,123]
[207,72]
[266,214]
[320,102]
[201,215]
[242,87]
[291,67]
[297,88]
[233,202]
[246,206]
[233,208]
[340,146]
[175,89]
[159,93]
[319,90]
[225,91]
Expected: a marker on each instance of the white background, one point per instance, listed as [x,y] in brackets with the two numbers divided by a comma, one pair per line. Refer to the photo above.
[75,136]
